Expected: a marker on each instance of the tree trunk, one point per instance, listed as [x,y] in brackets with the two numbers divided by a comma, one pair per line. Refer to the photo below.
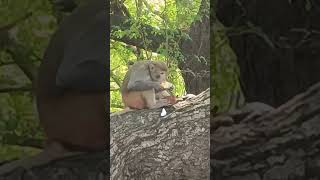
[146,146]
[269,74]
[196,66]
[279,144]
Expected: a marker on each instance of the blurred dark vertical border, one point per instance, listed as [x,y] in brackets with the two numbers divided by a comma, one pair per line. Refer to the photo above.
[54,69]
[108,154]
[268,55]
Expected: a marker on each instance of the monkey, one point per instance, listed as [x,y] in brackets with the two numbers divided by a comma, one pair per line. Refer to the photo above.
[141,83]
[162,94]
[166,94]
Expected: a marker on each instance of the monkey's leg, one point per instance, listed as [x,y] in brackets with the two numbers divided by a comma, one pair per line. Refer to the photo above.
[133,100]
[150,99]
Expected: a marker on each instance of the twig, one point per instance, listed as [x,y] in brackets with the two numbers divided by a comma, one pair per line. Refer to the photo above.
[15,89]
[19,54]
[9,26]
[115,78]
[13,139]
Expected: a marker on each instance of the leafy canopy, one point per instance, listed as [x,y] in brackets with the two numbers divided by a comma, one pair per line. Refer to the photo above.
[166,17]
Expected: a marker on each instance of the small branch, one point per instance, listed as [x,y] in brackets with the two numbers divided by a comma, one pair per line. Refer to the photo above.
[15,89]
[116,106]
[13,139]
[252,30]
[119,22]
[6,28]
[115,78]
[124,9]
[6,63]
[150,9]
[115,89]
[20,55]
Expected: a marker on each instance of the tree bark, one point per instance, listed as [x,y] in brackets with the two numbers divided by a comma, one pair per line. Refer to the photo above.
[196,66]
[93,166]
[275,74]
[146,146]
[274,144]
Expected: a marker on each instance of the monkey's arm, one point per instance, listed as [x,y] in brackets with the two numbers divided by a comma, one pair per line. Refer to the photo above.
[144,85]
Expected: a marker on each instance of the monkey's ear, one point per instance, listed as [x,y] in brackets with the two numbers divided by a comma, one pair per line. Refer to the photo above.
[130,63]
[151,66]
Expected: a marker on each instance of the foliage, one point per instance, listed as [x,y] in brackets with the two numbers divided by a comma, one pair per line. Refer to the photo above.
[17,115]
[162,15]
[226,92]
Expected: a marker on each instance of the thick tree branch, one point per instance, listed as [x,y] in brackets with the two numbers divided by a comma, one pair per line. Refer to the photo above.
[268,144]
[81,167]
[145,145]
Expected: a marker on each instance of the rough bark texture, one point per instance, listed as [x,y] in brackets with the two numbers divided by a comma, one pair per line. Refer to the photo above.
[196,66]
[257,143]
[94,166]
[146,146]
[274,75]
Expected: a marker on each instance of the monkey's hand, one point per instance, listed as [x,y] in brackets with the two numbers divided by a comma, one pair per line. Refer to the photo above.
[163,102]
[167,85]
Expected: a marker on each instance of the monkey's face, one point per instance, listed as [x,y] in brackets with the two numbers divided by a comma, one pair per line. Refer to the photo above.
[157,74]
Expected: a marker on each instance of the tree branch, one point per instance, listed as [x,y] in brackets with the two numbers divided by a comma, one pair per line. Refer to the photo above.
[21,54]
[115,78]
[13,139]
[81,167]
[255,142]
[122,23]
[17,51]
[147,146]
[119,21]
[8,89]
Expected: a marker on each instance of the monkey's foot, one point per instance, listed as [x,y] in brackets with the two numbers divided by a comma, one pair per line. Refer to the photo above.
[127,109]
